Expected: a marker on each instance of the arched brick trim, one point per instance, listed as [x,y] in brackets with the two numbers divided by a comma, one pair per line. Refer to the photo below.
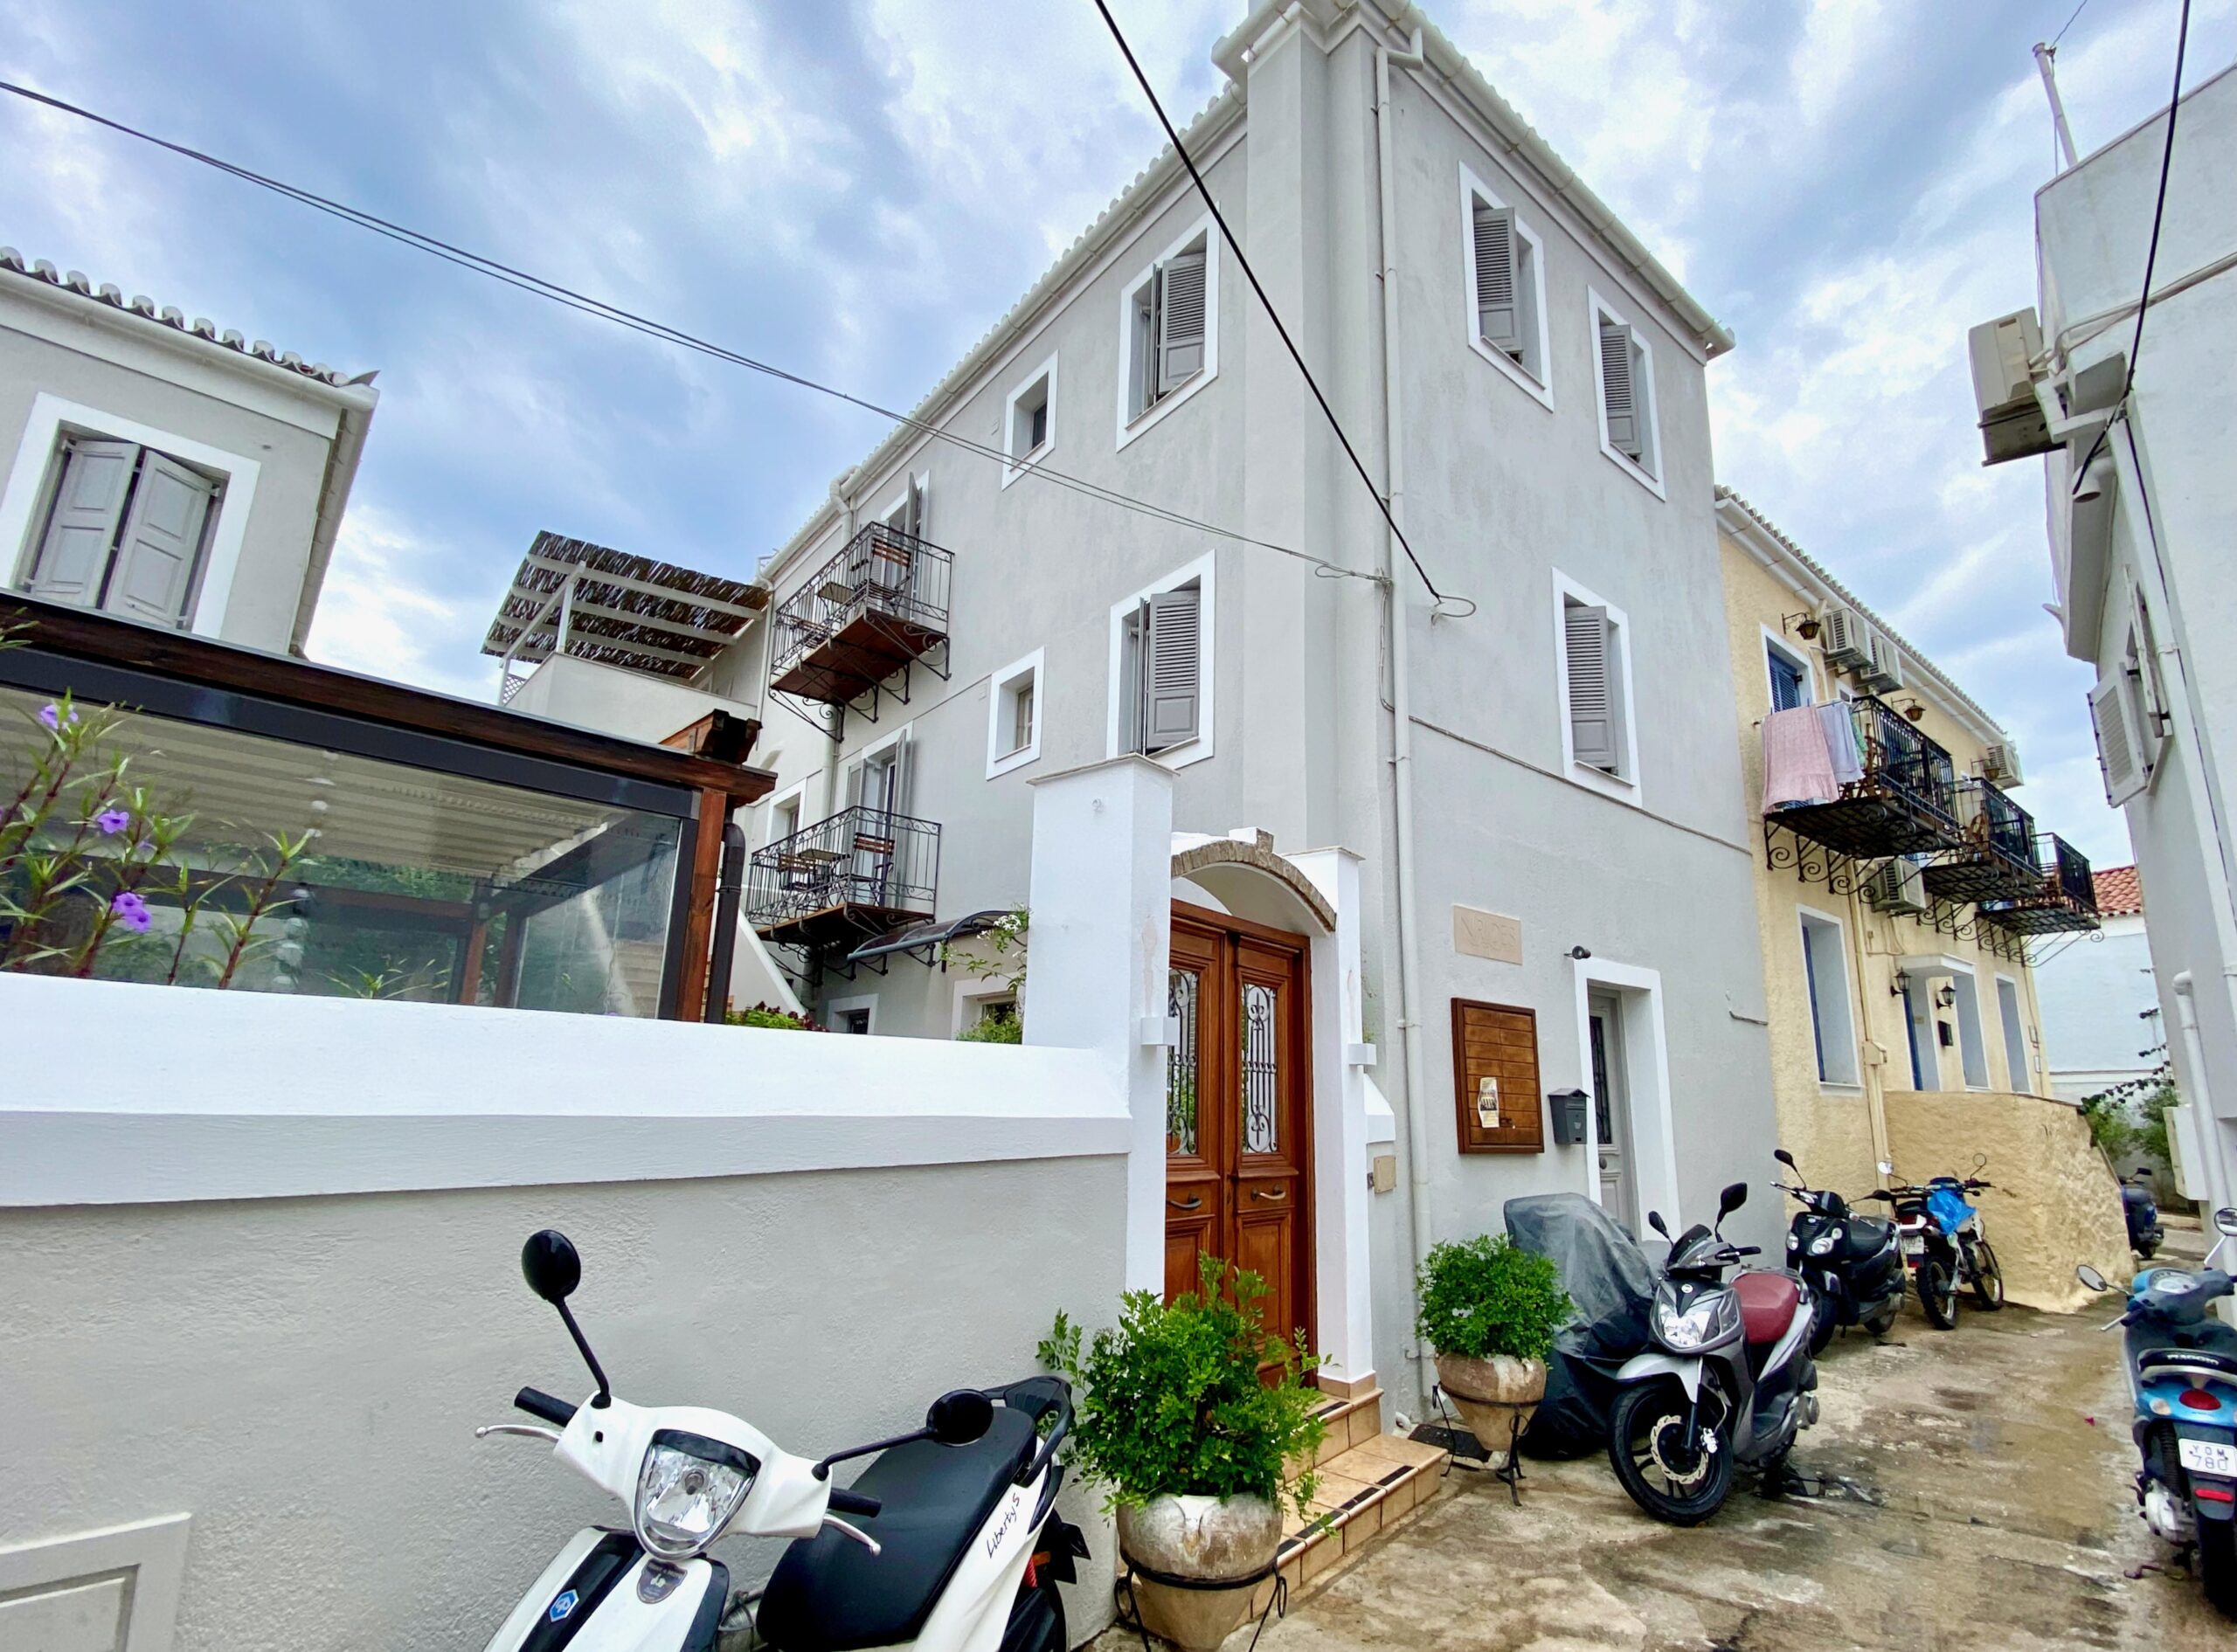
[1259,857]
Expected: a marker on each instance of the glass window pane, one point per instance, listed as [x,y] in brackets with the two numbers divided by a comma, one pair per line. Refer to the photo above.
[1262,1128]
[1182,989]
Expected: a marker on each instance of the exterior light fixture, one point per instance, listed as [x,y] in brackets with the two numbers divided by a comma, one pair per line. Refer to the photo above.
[1914,710]
[1903,986]
[1805,625]
[1580,953]
[1946,996]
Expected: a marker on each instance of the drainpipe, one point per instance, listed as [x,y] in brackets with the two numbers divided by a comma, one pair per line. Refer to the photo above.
[843,499]
[1401,722]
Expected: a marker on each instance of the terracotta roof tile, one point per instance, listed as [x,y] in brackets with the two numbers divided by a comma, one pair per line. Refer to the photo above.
[2120,893]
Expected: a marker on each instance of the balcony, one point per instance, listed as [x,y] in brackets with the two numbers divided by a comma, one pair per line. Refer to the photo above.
[1997,860]
[860,874]
[1905,803]
[873,610]
[2061,897]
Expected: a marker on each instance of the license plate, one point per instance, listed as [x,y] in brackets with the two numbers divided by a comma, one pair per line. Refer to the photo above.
[2207,1456]
[1914,1247]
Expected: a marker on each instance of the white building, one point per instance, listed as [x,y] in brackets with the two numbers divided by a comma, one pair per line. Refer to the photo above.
[163,469]
[2142,514]
[1465,855]
[2101,1006]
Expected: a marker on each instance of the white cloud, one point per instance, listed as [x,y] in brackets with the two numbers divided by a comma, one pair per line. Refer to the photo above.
[379,613]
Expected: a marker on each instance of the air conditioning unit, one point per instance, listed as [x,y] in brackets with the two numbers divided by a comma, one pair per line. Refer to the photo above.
[2003,352]
[2000,763]
[1899,886]
[1848,638]
[1883,668]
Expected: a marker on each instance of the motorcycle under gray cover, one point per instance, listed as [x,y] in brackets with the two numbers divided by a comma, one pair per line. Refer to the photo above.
[1610,1279]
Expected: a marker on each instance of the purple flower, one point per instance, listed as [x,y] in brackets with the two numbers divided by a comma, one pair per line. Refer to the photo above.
[111,821]
[131,910]
[50,716]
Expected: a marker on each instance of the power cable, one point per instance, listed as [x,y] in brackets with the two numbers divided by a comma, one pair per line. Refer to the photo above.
[2151,251]
[2061,35]
[1273,315]
[552,291]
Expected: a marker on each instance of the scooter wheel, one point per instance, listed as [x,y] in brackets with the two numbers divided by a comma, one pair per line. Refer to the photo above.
[1821,1329]
[1938,1293]
[1988,1276]
[1680,1481]
[2148,1249]
[2217,1563]
[1885,1321]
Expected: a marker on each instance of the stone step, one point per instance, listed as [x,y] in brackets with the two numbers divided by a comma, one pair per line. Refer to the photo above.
[1351,1421]
[1363,1491]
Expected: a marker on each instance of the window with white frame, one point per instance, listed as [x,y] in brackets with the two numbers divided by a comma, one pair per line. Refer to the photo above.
[1972,1046]
[1506,286]
[784,814]
[1625,371]
[1168,331]
[857,1015]
[2015,1038]
[1013,715]
[1825,973]
[1161,669]
[121,527]
[1592,652]
[1029,422]
[1788,675]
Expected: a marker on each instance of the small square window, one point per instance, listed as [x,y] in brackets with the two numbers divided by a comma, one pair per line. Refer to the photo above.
[1029,422]
[1013,715]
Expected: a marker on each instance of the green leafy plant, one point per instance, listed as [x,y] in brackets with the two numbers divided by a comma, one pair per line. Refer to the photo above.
[996,954]
[1486,1296]
[994,1029]
[770,1015]
[2130,1117]
[1170,1400]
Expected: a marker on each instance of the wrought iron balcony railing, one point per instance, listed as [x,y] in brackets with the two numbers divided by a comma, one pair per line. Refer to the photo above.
[2061,897]
[877,605]
[861,871]
[1997,860]
[1905,802]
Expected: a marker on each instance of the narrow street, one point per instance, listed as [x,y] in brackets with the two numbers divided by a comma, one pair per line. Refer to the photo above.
[1980,1502]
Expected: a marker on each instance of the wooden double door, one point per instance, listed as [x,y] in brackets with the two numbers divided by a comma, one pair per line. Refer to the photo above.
[1238,1167]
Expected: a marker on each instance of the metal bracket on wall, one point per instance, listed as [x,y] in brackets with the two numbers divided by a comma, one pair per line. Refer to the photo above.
[1809,861]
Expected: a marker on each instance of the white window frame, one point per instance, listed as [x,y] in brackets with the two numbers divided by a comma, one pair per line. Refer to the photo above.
[835,1008]
[2015,1035]
[1015,464]
[973,994]
[1540,390]
[1131,425]
[1968,997]
[1838,1060]
[150,1555]
[999,724]
[796,792]
[1652,1158]
[1626,787]
[855,759]
[51,419]
[1598,308]
[1194,750]
[1774,644]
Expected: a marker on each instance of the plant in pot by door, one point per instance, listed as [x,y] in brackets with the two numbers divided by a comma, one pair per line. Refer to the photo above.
[1490,1310]
[1194,1443]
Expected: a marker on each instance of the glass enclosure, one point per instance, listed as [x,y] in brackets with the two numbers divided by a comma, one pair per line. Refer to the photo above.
[143,848]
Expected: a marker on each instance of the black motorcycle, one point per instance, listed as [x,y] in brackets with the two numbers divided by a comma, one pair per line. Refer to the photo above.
[1852,1263]
[2143,1212]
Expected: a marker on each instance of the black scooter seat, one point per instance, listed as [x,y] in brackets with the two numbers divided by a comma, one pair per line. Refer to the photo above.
[830,1594]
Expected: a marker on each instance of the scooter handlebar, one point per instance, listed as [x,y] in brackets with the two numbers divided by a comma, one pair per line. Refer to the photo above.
[848,1502]
[537,1403]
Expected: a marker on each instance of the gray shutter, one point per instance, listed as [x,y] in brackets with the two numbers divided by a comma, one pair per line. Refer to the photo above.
[81,526]
[162,536]
[854,784]
[1180,319]
[1497,314]
[920,488]
[904,770]
[1173,664]
[1594,734]
[1618,389]
[2116,744]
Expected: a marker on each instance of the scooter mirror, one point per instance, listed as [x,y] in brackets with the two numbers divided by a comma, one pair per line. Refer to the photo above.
[1887,1169]
[551,1265]
[1734,1196]
[960,1417]
[2225,1221]
[2091,1277]
[1654,1220]
[1784,1157]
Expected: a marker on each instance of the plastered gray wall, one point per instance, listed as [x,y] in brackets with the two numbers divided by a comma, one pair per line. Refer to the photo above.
[303,1376]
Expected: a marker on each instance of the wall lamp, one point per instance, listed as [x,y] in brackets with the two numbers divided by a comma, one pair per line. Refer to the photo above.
[1805,625]
[1580,953]
[1946,996]
[1903,986]
[1913,710]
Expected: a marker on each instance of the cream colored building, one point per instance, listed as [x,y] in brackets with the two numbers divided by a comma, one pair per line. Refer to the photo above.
[1901,919]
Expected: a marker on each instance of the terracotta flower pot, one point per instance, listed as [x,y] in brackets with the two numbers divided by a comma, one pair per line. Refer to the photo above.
[1213,1539]
[1496,1397]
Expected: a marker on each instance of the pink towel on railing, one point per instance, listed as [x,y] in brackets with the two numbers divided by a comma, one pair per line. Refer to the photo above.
[1797,765]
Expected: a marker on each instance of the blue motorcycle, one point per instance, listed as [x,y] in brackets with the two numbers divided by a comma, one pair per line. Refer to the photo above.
[2182,1370]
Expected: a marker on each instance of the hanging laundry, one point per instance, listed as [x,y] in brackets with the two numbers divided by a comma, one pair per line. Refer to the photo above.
[1798,767]
[1840,740]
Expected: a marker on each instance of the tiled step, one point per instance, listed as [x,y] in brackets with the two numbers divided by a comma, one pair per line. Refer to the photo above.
[1350,1421]
[1364,1490]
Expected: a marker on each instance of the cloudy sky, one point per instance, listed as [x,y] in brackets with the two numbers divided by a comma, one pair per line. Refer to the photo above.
[857,189]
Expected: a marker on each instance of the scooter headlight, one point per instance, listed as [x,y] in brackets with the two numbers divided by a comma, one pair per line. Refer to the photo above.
[1685,1329]
[1823,1244]
[687,1492]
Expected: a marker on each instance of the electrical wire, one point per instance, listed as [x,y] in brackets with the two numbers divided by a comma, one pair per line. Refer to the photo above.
[1273,315]
[2061,35]
[540,286]
[2151,250]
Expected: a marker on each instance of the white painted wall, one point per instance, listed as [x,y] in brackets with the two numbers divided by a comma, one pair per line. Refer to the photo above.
[2094,996]
[614,700]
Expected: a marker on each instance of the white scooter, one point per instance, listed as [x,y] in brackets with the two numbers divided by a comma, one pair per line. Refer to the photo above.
[957,1549]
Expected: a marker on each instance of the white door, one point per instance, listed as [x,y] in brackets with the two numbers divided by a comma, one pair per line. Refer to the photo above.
[1612,1111]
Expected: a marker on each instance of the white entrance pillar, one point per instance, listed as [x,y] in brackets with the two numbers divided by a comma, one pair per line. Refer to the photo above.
[1100,941]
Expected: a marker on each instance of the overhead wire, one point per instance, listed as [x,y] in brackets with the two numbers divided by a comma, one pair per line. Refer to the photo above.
[1274,316]
[2152,249]
[541,287]
[2068,23]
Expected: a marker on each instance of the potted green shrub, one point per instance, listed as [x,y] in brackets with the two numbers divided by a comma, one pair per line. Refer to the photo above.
[1490,1310]
[1194,1444]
